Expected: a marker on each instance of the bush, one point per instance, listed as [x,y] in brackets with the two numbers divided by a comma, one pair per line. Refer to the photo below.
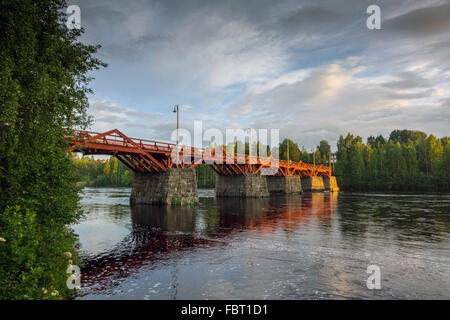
[33,257]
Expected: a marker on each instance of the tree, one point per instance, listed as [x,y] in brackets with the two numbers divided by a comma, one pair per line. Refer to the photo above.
[98,173]
[445,164]
[342,160]
[396,164]
[107,168]
[325,150]
[410,155]
[43,94]
[305,156]
[410,160]
[402,136]
[317,157]
[294,151]
[357,166]
[116,171]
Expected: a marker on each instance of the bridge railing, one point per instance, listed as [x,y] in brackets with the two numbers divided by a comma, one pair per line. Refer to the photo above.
[118,140]
[205,154]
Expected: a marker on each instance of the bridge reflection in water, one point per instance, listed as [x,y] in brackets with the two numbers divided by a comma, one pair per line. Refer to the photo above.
[160,237]
[313,246]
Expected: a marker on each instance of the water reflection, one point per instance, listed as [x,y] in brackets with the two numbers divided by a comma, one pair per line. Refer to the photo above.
[270,214]
[422,217]
[315,245]
[175,219]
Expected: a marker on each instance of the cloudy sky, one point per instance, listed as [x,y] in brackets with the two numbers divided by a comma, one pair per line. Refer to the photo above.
[310,68]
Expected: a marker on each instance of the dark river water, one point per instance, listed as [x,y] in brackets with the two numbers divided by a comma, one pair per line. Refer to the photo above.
[313,246]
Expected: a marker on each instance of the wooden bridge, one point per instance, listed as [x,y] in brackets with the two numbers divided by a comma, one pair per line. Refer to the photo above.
[148,156]
[164,172]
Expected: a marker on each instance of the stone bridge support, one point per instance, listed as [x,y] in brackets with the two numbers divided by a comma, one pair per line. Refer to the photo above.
[284,185]
[175,187]
[245,186]
[319,183]
[312,184]
[330,184]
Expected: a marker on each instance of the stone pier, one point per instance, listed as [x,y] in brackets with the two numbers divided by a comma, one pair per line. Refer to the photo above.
[175,187]
[330,184]
[284,185]
[312,184]
[248,186]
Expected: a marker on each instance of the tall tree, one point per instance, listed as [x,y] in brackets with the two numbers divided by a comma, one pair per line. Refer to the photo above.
[43,94]
[305,156]
[294,151]
[325,150]
[402,136]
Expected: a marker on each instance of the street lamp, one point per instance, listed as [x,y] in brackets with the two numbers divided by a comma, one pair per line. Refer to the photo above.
[249,142]
[250,147]
[288,161]
[287,150]
[177,110]
[314,158]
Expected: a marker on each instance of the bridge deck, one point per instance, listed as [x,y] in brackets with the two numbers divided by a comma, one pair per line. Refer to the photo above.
[148,156]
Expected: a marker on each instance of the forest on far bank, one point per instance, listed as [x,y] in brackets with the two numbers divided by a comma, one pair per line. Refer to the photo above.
[111,172]
[405,161]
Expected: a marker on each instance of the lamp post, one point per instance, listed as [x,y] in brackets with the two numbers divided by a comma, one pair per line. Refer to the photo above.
[287,152]
[329,161]
[176,109]
[314,160]
[289,172]
[249,143]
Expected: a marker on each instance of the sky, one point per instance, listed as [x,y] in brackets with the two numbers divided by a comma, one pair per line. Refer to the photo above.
[311,69]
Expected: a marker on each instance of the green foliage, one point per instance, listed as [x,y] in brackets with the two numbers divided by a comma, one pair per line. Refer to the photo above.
[403,136]
[43,90]
[305,156]
[240,147]
[320,156]
[408,161]
[206,177]
[294,151]
[98,173]
[32,257]
[323,152]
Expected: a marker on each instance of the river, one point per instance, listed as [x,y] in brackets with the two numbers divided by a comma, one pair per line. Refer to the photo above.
[310,246]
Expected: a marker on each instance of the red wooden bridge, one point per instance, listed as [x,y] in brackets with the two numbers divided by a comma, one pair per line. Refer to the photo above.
[147,156]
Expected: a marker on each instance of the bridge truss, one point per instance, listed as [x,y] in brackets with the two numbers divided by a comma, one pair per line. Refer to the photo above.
[147,156]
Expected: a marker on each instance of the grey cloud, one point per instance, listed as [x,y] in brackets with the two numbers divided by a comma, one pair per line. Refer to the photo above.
[303,110]
[101,106]
[97,13]
[428,21]
[110,119]
[409,79]
[136,124]
[417,95]
[312,19]
[443,113]
[437,53]
[150,38]
[114,109]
